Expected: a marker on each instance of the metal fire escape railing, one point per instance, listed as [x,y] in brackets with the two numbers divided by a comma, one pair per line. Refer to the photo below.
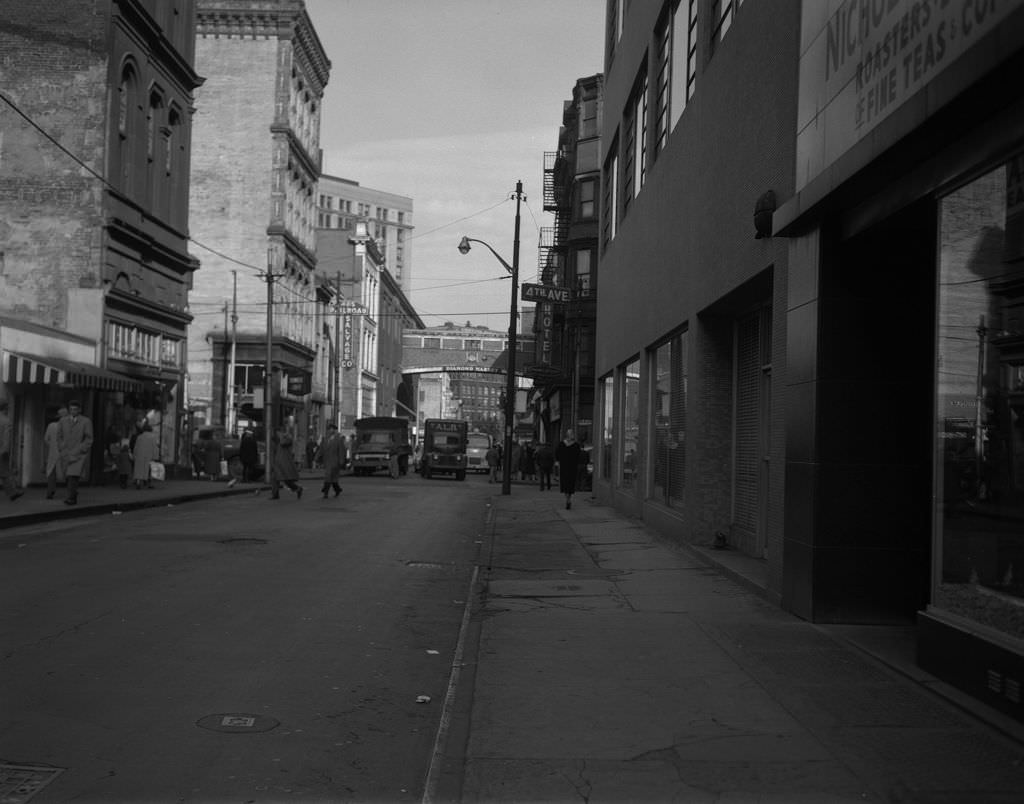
[551,251]
[555,191]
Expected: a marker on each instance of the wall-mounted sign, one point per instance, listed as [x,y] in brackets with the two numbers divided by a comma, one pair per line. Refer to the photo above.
[546,293]
[868,58]
[347,359]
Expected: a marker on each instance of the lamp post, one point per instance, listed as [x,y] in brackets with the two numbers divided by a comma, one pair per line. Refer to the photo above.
[510,384]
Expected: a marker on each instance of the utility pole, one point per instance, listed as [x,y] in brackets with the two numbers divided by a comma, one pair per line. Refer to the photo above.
[510,386]
[268,390]
[234,339]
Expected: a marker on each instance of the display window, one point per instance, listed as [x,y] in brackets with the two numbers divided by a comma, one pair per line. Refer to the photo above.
[979,430]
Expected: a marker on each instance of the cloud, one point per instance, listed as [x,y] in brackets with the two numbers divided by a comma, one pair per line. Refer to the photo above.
[460,185]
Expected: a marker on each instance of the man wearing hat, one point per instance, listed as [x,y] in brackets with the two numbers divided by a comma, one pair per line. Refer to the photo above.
[6,441]
[74,440]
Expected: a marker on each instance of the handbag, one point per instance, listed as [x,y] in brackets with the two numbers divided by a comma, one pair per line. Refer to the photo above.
[156,470]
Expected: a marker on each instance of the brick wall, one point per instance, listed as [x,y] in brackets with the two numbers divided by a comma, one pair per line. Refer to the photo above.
[54,70]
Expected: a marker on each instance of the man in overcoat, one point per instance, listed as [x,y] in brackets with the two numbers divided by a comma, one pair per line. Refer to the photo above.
[74,441]
[332,455]
[51,454]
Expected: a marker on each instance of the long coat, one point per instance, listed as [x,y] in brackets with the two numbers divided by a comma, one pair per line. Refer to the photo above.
[568,457]
[51,451]
[146,449]
[74,439]
[332,454]
[284,461]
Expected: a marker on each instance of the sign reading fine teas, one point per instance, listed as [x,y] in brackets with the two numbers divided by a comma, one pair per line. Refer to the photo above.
[870,57]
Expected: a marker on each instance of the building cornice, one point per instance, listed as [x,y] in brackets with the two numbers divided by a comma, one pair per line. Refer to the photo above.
[277,19]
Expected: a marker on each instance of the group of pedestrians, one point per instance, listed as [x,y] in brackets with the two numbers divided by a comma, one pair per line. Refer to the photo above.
[67,442]
[569,456]
[331,454]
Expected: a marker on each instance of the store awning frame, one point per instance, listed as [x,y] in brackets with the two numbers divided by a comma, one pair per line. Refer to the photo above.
[32,369]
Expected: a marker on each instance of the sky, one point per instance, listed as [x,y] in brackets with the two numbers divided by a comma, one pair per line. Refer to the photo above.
[450,103]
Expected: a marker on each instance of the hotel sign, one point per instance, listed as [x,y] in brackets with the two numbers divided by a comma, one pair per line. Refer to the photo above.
[868,58]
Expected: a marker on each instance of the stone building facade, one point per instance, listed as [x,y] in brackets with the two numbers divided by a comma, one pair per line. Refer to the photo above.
[254,189]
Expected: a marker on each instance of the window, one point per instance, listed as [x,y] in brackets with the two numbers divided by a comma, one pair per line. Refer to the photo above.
[126,140]
[683,59]
[588,119]
[668,417]
[588,206]
[607,388]
[722,13]
[630,445]
[610,202]
[583,271]
[635,152]
[979,439]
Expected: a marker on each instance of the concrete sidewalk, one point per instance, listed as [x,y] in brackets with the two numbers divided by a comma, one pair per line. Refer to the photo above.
[606,664]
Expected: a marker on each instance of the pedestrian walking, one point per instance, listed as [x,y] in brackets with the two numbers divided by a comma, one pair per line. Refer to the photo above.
[51,454]
[331,455]
[568,455]
[123,459]
[493,458]
[74,440]
[146,451]
[283,469]
[6,442]
[213,453]
[249,455]
[545,460]
[529,462]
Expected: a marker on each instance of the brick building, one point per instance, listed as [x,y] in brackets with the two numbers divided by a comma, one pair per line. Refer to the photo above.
[95,122]
[253,206]
[563,365]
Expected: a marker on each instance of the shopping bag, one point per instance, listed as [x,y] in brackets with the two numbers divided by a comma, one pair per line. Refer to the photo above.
[223,468]
[156,470]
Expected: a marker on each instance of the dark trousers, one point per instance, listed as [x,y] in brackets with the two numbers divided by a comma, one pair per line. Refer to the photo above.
[275,486]
[545,479]
[73,488]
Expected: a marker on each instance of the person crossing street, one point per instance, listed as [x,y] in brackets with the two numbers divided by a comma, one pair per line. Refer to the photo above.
[332,455]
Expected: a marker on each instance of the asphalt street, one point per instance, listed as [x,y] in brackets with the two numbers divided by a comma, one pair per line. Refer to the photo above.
[238,649]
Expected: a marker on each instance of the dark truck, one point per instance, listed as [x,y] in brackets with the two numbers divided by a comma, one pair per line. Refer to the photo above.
[444,448]
[381,444]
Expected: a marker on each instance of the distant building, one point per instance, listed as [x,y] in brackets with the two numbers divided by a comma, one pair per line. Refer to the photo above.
[388,218]
[97,102]
[562,367]
[254,188]
[461,372]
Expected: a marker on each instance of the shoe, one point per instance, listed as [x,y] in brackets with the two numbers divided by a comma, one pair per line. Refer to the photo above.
[70,502]
[298,492]
[16,495]
[336,492]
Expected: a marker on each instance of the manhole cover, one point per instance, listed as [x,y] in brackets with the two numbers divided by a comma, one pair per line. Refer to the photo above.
[19,783]
[242,540]
[238,723]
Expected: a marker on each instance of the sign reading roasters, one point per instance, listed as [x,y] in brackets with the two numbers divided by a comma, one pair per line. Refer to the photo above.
[546,293]
[864,59]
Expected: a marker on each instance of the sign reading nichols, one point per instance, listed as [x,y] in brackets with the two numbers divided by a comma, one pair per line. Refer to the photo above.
[869,58]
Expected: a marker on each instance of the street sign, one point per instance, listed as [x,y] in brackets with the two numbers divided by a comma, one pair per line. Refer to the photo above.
[546,293]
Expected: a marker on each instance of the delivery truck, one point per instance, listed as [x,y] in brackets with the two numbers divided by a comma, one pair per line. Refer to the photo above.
[444,448]
[381,445]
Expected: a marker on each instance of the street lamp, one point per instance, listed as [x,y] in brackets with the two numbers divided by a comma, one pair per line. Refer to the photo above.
[510,384]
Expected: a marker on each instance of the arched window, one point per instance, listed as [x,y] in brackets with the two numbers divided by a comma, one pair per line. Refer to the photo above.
[127,103]
[155,143]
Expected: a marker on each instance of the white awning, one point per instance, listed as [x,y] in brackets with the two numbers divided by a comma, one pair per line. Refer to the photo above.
[20,368]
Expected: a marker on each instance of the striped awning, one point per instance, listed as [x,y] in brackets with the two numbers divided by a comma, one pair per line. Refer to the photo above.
[19,368]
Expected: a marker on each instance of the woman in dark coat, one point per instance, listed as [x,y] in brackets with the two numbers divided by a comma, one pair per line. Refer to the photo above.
[568,455]
[249,455]
[283,468]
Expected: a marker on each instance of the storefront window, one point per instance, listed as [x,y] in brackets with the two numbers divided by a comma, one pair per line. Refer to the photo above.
[668,413]
[607,426]
[979,456]
[630,425]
